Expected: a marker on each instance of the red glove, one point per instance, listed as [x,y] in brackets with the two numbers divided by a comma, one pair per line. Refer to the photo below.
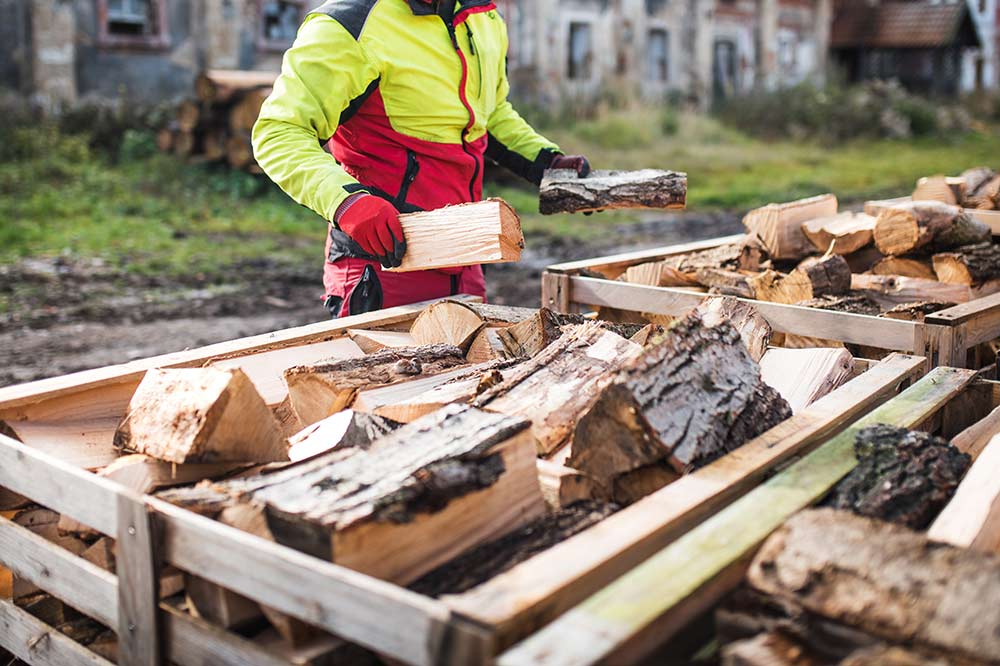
[373,223]
[578,163]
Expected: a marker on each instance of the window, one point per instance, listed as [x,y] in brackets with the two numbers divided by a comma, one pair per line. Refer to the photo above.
[658,52]
[279,22]
[581,51]
[136,23]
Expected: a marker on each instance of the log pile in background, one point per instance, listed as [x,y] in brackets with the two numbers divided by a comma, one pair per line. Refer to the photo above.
[216,125]
[977,188]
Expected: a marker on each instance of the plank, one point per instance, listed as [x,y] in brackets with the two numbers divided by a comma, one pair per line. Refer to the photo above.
[972,518]
[533,593]
[88,444]
[563,191]
[138,584]
[36,643]
[802,376]
[660,596]
[974,439]
[485,232]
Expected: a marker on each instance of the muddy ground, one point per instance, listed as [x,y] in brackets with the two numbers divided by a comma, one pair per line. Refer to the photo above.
[71,315]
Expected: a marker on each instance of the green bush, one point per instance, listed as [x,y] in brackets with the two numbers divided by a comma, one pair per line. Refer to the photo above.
[670,121]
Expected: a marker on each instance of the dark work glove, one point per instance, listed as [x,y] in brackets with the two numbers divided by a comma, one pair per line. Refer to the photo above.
[578,163]
[373,223]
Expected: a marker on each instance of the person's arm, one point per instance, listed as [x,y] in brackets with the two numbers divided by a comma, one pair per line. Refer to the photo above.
[321,74]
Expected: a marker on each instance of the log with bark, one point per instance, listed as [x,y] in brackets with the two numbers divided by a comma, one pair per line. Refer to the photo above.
[631,487]
[447,322]
[905,267]
[145,474]
[563,486]
[752,327]
[726,282]
[932,225]
[748,255]
[658,274]
[914,311]
[325,388]
[829,275]
[886,581]
[779,226]
[972,518]
[853,303]
[843,233]
[562,191]
[971,264]
[892,290]
[485,232]
[939,188]
[980,188]
[531,336]
[413,500]
[486,346]
[903,476]
[200,415]
[803,376]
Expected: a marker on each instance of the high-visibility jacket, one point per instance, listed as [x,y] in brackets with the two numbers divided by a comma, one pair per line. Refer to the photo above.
[386,97]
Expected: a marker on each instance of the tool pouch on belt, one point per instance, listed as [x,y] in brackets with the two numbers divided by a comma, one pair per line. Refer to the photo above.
[367,293]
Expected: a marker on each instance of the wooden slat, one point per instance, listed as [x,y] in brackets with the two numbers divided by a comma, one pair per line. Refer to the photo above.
[361,609]
[138,588]
[68,490]
[971,519]
[847,327]
[653,601]
[38,644]
[974,322]
[84,586]
[536,591]
[641,256]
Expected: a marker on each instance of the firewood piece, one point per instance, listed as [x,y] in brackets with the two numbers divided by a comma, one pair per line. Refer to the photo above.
[486,346]
[555,387]
[372,341]
[243,114]
[829,275]
[485,232]
[413,500]
[886,580]
[632,486]
[803,376]
[776,287]
[903,476]
[645,334]
[752,327]
[892,290]
[986,197]
[221,85]
[971,264]
[447,322]
[101,553]
[44,523]
[915,225]
[854,303]
[779,226]
[972,517]
[906,267]
[144,474]
[371,401]
[893,655]
[239,151]
[342,430]
[288,421]
[213,145]
[936,188]
[220,606]
[979,187]
[325,388]
[914,311]
[188,114]
[563,191]
[499,316]
[864,259]
[727,283]
[747,255]
[768,649]
[200,415]
[974,439]
[716,400]
[184,143]
[842,234]
[658,274]
[563,486]
[529,337]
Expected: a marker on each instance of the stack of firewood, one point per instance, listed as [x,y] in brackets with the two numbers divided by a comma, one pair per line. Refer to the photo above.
[216,125]
[977,188]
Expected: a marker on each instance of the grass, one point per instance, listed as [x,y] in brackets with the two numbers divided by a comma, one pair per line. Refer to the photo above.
[154,215]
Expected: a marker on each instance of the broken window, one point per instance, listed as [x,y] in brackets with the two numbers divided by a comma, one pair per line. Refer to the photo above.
[581,51]
[659,55]
[129,17]
[133,23]
[280,21]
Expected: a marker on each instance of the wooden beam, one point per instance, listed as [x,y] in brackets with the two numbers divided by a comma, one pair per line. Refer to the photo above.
[972,518]
[563,191]
[653,601]
[138,584]
[36,643]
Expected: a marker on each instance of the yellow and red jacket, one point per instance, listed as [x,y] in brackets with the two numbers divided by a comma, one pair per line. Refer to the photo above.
[405,105]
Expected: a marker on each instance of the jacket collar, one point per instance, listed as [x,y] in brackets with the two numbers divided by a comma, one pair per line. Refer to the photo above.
[426,7]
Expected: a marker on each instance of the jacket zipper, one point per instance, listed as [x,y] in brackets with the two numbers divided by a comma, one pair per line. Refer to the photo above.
[465,102]
[479,61]
[410,175]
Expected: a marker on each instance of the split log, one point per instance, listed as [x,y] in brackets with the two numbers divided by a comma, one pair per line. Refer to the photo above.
[769,649]
[864,259]
[342,430]
[776,287]
[914,311]
[486,346]
[220,606]
[803,376]
[200,415]
[499,316]
[531,336]
[373,341]
[748,255]
[829,275]
[562,191]
[752,327]
[144,474]
[101,553]
[972,517]
[974,439]
[885,580]
[842,234]
[646,334]
[779,226]
[413,500]
[658,274]
[485,232]
[555,387]
[853,303]
[980,188]
[221,85]
[689,399]
[372,400]
[905,267]
[915,225]
[903,476]
[563,486]
[726,283]
[288,421]
[447,322]
[938,188]
[892,290]
[322,389]
[971,264]
[631,487]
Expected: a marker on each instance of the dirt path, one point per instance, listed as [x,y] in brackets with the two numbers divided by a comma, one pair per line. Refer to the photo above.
[74,316]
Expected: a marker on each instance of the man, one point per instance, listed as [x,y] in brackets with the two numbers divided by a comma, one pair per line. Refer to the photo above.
[389,106]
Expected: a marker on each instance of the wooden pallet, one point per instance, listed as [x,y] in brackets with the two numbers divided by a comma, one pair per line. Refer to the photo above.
[73,415]
[945,337]
[640,612]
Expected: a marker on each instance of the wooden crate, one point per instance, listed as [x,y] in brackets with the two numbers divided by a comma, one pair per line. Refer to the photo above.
[74,415]
[947,337]
[643,610]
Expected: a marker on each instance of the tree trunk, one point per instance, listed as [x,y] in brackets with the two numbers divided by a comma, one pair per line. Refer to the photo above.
[841,234]
[972,264]
[562,191]
[779,226]
[915,225]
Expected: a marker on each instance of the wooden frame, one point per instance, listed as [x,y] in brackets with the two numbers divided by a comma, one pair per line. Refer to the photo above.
[468,628]
[155,41]
[944,338]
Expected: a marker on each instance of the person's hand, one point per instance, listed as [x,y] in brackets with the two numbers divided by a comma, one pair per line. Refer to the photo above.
[578,163]
[373,223]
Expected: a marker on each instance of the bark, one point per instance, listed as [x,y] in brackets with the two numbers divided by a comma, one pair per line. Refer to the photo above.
[726,282]
[902,476]
[562,191]
[342,430]
[779,226]
[915,311]
[327,387]
[916,225]
[749,255]
[829,276]
[853,303]
[752,327]
[841,234]
[971,264]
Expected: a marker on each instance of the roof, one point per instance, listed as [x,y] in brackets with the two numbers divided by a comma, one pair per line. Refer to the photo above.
[902,25]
